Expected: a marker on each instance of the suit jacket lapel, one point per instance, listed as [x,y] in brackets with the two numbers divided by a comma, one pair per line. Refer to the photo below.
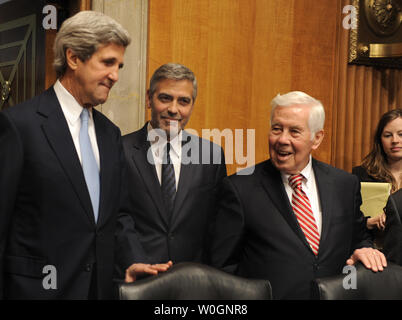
[58,134]
[273,185]
[186,174]
[147,170]
[325,187]
[106,164]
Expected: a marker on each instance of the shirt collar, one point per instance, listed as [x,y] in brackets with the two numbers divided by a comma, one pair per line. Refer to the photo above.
[70,106]
[306,172]
[175,143]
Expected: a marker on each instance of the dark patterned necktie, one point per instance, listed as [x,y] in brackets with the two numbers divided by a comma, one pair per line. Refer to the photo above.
[168,182]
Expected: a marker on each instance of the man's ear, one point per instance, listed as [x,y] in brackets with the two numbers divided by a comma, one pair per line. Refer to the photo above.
[147,100]
[72,59]
[318,137]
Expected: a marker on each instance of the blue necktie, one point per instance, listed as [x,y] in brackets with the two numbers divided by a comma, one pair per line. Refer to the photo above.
[89,165]
[168,182]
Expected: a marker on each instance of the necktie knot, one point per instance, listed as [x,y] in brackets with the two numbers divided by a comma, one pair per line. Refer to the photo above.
[84,115]
[295,181]
[167,153]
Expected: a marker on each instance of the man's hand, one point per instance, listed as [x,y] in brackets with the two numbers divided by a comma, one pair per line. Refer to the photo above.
[141,268]
[371,259]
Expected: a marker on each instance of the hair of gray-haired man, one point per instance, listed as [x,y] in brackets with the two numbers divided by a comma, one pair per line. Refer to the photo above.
[84,33]
[172,71]
[317,113]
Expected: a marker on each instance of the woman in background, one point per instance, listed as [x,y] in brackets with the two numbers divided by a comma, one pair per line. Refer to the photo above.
[384,162]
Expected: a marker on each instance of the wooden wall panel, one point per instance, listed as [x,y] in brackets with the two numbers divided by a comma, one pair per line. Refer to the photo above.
[244,53]
[313,56]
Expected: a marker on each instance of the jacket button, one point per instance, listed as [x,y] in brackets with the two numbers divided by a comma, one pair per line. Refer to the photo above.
[88,268]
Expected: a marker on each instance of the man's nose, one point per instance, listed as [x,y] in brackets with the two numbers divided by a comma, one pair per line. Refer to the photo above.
[284,137]
[173,107]
[114,75]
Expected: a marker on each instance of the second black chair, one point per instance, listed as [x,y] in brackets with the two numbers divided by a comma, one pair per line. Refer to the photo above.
[368,285]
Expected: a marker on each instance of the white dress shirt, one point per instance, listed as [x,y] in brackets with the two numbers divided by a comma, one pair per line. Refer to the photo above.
[158,147]
[72,111]
[310,188]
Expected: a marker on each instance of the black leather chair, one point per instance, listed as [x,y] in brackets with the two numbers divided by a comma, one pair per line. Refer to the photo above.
[385,285]
[193,281]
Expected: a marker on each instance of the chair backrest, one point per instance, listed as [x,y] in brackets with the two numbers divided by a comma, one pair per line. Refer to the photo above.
[368,285]
[194,281]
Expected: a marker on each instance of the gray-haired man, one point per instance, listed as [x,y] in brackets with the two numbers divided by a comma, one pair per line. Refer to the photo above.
[294,219]
[61,171]
[173,194]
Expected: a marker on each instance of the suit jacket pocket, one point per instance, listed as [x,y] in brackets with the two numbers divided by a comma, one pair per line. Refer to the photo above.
[25,266]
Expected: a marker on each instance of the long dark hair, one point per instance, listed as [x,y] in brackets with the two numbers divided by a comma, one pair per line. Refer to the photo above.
[376,161]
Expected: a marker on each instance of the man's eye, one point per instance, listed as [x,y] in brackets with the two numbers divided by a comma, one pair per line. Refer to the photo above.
[164,98]
[184,101]
[108,62]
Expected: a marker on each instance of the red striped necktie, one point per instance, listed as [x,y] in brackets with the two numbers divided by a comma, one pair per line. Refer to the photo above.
[302,209]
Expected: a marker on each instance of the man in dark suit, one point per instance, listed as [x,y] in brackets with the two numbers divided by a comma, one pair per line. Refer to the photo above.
[61,172]
[393,228]
[172,221]
[294,218]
